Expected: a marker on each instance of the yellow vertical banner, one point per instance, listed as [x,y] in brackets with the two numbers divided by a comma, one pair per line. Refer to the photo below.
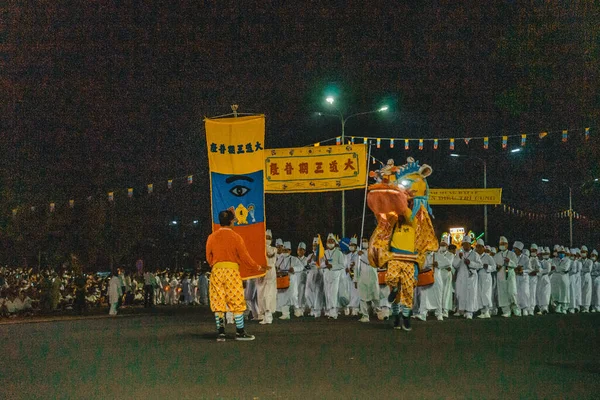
[236,162]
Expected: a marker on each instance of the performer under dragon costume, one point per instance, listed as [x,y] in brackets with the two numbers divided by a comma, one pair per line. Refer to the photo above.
[404,234]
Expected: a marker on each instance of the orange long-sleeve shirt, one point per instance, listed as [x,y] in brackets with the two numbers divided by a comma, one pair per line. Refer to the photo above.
[226,245]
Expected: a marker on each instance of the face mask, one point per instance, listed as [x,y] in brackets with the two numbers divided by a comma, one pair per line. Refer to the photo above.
[269,241]
[365,245]
[546,256]
[353,248]
[594,258]
[330,245]
[502,247]
[286,255]
[444,249]
[561,255]
[583,255]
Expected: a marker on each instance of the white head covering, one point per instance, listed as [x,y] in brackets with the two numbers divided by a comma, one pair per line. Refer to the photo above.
[556,247]
[445,238]
[480,242]
[466,239]
[519,245]
[316,240]
[487,247]
[302,245]
[494,250]
[547,250]
[577,251]
[534,247]
[287,245]
[503,239]
[526,252]
[353,240]
[332,236]
[594,252]
[278,242]
[268,233]
[562,249]
[584,248]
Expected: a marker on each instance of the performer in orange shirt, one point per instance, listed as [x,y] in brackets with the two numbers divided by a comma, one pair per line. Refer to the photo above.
[226,253]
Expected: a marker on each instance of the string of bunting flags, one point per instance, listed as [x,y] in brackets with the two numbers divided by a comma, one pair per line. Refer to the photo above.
[452,141]
[110,196]
[508,209]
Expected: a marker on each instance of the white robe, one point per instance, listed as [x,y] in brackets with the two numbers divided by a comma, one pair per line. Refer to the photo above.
[267,285]
[314,292]
[467,281]
[351,262]
[289,297]
[488,265]
[523,282]
[447,282]
[506,281]
[586,282]
[574,284]
[543,286]
[431,297]
[332,277]
[114,290]
[301,301]
[534,267]
[366,278]
[560,280]
[596,285]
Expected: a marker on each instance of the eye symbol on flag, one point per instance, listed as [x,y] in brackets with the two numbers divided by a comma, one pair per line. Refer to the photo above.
[239,190]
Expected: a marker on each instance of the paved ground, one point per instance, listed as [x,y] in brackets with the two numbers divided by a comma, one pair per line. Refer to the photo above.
[172,354]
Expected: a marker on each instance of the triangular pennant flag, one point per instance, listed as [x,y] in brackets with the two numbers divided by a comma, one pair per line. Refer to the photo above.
[190,179]
[406,144]
[378,143]
[14,212]
[338,140]
[111,196]
[435,144]
[467,140]
[504,142]
[365,140]
[150,188]
[451,144]
[565,135]
[523,140]
[391,143]
[352,139]
[71,203]
[52,207]
[543,135]
[420,144]
[587,133]
[170,183]
[486,142]
[130,192]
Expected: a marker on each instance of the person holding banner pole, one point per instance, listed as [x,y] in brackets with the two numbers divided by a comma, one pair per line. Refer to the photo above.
[266,286]
[226,253]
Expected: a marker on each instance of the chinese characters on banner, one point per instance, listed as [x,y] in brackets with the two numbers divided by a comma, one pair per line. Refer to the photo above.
[315,169]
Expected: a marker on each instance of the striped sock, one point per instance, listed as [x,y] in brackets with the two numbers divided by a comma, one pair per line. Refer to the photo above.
[405,311]
[395,309]
[218,320]
[239,321]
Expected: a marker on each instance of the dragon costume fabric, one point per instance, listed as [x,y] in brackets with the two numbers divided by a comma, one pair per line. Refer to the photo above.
[404,232]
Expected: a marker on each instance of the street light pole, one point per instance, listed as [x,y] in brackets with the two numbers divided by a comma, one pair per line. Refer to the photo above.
[485,210]
[343,120]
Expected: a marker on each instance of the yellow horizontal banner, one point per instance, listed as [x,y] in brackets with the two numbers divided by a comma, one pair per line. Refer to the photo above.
[465,196]
[315,169]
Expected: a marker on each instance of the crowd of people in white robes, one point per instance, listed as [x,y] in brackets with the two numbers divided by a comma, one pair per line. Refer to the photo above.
[471,281]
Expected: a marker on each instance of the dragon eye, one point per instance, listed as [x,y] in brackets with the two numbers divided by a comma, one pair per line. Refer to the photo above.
[239,190]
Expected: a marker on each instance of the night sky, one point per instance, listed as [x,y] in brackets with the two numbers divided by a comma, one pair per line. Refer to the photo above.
[104,95]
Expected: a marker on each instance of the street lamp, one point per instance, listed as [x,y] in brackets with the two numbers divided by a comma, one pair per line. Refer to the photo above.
[485,211]
[570,210]
[343,119]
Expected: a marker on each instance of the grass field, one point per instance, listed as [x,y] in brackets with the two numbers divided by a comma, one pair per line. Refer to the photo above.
[172,354]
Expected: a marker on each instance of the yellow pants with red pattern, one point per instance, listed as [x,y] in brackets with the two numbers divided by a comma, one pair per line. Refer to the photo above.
[402,272]
[226,290]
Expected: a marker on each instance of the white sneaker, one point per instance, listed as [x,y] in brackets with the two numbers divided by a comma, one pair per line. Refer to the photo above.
[285,316]
[364,318]
[525,313]
[440,317]
[506,315]
[422,317]
[469,316]
[481,316]
[298,313]
[346,311]
[354,312]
